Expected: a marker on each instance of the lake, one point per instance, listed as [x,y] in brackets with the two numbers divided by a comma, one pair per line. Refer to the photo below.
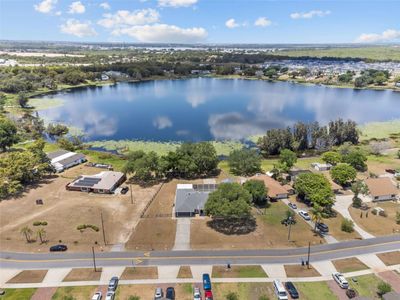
[208,108]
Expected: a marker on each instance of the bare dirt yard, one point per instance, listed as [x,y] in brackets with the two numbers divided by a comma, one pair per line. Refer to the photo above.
[266,232]
[300,271]
[185,272]
[336,231]
[64,210]
[351,264]
[390,258]
[29,276]
[375,224]
[83,274]
[131,273]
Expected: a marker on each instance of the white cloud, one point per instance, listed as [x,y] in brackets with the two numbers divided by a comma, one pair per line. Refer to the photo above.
[105,5]
[163,33]
[310,14]
[46,6]
[162,122]
[262,22]
[58,13]
[177,3]
[76,8]
[231,23]
[77,28]
[124,18]
[386,36]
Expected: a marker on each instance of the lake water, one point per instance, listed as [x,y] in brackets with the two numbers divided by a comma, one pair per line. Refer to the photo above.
[206,108]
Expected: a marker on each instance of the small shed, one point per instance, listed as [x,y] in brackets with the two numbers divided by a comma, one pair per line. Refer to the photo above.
[321,167]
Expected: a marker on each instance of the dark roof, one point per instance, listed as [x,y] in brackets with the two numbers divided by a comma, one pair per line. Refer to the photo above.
[71,159]
[55,154]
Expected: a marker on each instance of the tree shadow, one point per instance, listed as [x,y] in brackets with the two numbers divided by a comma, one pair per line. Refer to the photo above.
[231,226]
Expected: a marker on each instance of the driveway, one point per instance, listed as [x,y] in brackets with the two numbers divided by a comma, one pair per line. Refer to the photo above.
[342,205]
[182,237]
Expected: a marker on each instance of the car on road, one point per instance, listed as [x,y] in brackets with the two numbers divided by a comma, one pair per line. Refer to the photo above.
[323,227]
[304,215]
[206,282]
[340,280]
[292,290]
[208,295]
[170,293]
[58,248]
[158,294]
[124,190]
[292,205]
[113,284]
[196,294]
[97,296]
[110,295]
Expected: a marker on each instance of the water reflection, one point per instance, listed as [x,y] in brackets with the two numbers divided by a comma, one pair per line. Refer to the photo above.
[205,108]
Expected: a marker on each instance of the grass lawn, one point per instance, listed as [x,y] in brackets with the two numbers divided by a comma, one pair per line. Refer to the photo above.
[390,258]
[314,290]
[379,130]
[238,272]
[375,224]
[366,285]
[351,264]
[336,231]
[29,276]
[83,274]
[185,272]
[105,158]
[17,294]
[244,291]
[300,271]
[131,273]
[76,292]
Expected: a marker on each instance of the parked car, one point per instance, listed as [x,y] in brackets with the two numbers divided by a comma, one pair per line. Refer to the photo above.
[97,296]
[391,171]
[124,190]
[208,295]
[110,295]
[280,291]
[304,215]
[292,205]
[58,248]
[340,280]
[113,284]
[292,290]
[206,282]
[170,293]
[351,293]
[288,221]
[323,227]
[196,294]
[158,294]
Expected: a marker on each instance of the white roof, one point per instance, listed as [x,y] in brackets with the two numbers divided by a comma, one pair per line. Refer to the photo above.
[183,186]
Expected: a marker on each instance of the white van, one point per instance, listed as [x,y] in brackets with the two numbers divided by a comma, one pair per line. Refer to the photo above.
[280,290]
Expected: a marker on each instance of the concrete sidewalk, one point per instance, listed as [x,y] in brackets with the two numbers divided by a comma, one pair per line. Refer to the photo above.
[182,237]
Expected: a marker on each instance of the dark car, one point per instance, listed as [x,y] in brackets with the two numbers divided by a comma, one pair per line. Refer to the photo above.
[170,293]
[351,293]
[124,190]
[292,205]
[323,227]
[113,284]
[291,290]
[57,248]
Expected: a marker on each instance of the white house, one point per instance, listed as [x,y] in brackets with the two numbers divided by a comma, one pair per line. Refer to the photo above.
[321,167]
[63,159]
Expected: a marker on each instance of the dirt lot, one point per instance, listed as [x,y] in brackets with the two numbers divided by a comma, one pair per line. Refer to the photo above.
[300,271]
[83,274]
[378,225]
[131,273]
[390,258]
[268,233]
[29,276]
[335,230]
[64,210]
[349,265]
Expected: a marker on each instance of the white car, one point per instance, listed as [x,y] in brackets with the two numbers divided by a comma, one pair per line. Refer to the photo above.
[304,215]
[340,280]
[97,296]
[196,294]
[110,296]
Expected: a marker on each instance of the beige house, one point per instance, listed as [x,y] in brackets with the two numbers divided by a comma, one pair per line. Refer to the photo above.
[381,189]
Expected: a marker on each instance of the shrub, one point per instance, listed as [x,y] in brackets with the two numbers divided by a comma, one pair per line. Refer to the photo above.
[263,297]
[347,225]
[84,226]
[134,298]
[357,202]
[398,217]
[232,296]
[38,223]
[383,288]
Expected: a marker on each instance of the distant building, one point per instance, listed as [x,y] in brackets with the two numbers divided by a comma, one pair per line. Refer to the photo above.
[190,199]
[105,77]
[397,84]
[293,173]
[103,183]
[63,159]
[381,189]
[321,167]
[275,190]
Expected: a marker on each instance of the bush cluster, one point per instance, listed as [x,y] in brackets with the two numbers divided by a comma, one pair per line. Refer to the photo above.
[38,223]
[85,226]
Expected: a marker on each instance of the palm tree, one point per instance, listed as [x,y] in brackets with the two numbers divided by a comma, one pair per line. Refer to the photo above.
[316,215]
[41,233]
[26,231]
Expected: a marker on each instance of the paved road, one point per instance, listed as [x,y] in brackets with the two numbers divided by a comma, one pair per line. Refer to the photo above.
[200,257]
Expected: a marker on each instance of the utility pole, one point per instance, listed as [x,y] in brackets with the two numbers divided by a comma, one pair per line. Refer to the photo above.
[94,260]
[102,227]
[130,187]
[308,256]
[290,227]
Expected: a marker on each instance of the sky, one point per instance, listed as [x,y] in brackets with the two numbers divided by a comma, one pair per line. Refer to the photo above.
[201,21]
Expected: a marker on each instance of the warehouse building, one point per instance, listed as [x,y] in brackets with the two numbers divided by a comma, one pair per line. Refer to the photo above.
[63,159]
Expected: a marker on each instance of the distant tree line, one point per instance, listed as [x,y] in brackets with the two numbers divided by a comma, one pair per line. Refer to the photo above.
[309,136]
[371,76]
